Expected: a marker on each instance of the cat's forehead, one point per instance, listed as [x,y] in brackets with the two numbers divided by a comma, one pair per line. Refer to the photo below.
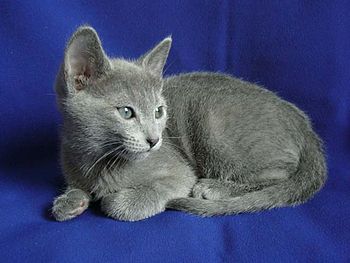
[130,82]
[131,74]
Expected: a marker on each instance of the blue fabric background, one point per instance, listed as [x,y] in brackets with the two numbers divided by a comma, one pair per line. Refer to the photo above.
[299,49]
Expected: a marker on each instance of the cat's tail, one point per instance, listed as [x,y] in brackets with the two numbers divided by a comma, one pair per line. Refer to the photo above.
[308,179]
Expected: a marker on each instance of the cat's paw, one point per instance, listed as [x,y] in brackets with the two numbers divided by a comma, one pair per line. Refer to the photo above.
[133,204]
[70,205]
[210,189]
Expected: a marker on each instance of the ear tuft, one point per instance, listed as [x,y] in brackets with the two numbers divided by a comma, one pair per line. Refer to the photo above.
[85,60]
[155,59]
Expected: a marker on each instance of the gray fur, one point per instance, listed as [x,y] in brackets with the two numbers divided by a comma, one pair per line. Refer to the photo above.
[226,146]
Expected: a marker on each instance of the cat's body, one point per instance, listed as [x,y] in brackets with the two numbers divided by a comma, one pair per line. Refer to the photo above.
[229,146]
[252,149]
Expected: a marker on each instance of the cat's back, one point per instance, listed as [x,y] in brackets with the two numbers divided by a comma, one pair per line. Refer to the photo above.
[204,93]
[206,86]
[221,92]
[227,109]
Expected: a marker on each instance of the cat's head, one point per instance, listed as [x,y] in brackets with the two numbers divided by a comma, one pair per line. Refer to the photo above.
[114,105]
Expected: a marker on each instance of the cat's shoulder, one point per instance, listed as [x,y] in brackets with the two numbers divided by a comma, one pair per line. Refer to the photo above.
[210,81]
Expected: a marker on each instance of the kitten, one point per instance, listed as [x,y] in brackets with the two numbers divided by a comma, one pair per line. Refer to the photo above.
[204,143]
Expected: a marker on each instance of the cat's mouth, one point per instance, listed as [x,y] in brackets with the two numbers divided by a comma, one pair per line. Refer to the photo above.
[139,149]
[135,151]
[139,154]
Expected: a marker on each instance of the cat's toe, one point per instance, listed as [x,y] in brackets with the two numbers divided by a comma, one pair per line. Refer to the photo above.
[209,189]
[65,208]
[203,189]
[199,190]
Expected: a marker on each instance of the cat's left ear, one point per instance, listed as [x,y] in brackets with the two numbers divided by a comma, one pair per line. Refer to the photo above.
[155,59]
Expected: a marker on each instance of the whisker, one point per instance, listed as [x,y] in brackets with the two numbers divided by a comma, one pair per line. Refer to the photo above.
[107,166]
[116,158]
[100,159]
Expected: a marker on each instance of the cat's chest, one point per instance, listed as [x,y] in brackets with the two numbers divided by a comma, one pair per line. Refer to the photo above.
[111,181]
[160,164]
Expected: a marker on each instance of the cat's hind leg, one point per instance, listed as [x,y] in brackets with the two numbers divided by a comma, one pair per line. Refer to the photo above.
[70,204]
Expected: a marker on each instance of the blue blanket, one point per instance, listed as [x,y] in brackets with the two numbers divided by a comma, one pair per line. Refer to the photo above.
[298,49]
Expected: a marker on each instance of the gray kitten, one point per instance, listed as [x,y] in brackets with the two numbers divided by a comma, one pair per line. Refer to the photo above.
[204,143]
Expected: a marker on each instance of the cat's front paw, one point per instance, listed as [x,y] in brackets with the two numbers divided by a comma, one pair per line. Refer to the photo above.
[133,204]
[70,205]
[210,189]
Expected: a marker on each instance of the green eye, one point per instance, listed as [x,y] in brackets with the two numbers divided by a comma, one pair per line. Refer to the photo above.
[126,112]
[159,112]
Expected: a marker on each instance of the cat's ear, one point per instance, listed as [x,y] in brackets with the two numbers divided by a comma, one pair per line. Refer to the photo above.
[155,59]
[85,61]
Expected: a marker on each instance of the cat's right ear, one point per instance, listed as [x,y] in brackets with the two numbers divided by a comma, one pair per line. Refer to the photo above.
[85,61]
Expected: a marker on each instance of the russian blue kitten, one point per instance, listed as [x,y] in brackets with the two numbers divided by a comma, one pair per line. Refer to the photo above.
[204,143]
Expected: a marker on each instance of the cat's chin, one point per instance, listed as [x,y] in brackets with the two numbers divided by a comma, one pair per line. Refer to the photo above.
[137,156]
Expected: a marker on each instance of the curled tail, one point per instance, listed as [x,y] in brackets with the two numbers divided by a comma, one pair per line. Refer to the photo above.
[298,188]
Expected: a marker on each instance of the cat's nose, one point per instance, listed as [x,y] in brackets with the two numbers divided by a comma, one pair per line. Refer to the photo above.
[152,142]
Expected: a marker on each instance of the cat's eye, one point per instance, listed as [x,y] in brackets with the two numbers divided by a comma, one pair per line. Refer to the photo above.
[126,112]
[159,112]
